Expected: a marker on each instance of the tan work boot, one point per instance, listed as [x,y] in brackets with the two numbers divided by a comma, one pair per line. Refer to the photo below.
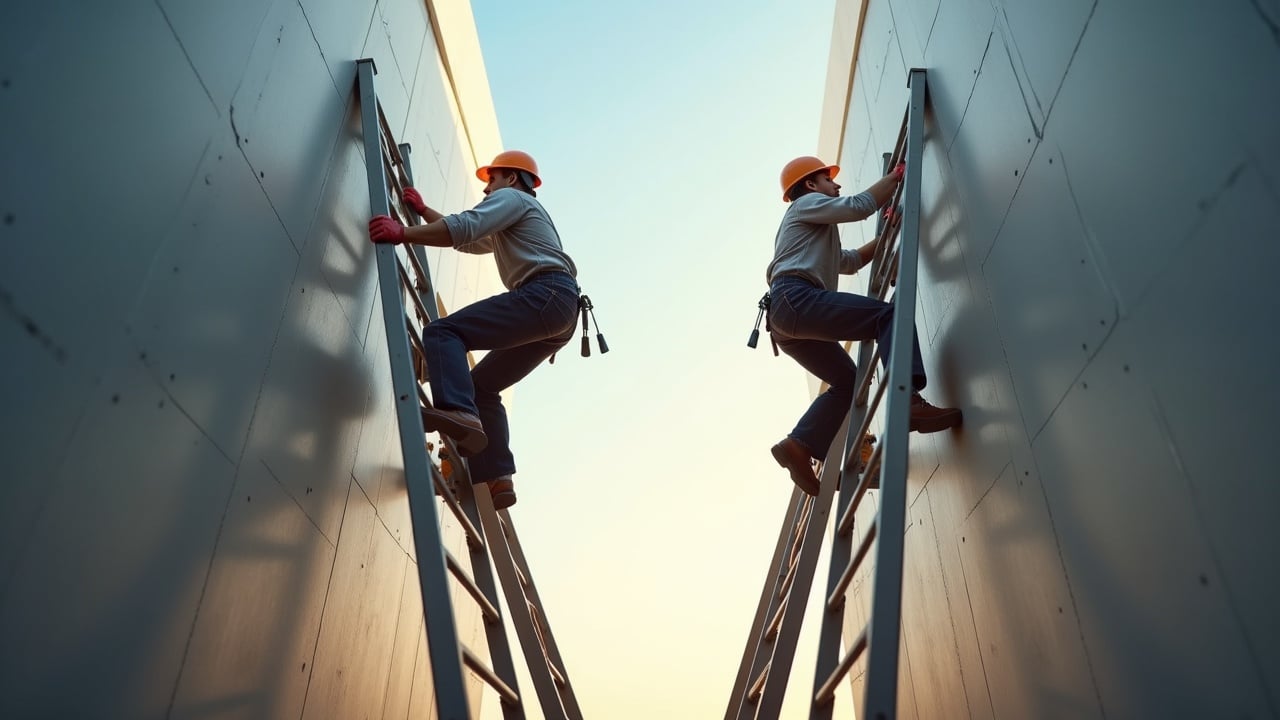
[926,418]
[465,428]
[502,491]
[791,455]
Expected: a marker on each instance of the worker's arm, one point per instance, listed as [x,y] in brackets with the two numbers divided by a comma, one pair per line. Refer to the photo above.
[413,199]
[386,229]
[852,260]
[435,233]
[882,191]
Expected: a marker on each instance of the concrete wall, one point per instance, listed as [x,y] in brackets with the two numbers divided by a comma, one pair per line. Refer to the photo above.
[1101,192]
[204,510]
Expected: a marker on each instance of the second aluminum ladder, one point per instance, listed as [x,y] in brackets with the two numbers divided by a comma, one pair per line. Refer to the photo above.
[847,473]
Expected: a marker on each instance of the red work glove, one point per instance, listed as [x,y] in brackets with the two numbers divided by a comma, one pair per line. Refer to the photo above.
[385,229]
[888,215]
[899,171]
[413,199]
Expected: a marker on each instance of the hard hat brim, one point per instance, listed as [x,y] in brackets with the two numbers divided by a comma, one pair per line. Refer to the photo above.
[483,173]
[832,169]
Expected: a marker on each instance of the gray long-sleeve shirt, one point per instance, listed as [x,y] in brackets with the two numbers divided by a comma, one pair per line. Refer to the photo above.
[515,227]
[808,241]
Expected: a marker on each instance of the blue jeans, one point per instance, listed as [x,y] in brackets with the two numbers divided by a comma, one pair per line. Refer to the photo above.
[520,328]
[806,321]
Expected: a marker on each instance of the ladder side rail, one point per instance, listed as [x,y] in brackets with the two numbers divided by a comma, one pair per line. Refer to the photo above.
[567,694]
[886,601]
[737,698]
[784,650]
[851,492]
[495,631]
[481,571]
[766,643]
[512,587]
[442,637]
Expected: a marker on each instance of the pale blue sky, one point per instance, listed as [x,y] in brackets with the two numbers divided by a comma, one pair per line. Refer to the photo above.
[649,504]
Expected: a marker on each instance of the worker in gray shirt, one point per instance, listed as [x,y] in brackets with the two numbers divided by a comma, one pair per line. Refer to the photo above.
[521,327]
[807,316]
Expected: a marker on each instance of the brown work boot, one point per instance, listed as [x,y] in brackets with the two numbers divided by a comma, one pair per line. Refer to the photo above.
[465,428]
[502,491]
[791,455]
[926,418]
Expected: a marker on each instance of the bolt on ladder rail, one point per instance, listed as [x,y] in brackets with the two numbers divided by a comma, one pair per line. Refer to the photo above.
[403,272]
[849,470]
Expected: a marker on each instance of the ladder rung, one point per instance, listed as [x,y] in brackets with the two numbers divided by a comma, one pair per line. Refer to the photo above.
[508,695]
[864,482]
[788,578]
[451,502]
[866,418]
[486,606]
[875,401]
[837,596]
[797,532]
[555,671]
[771,631]
[757,687]
[828,690]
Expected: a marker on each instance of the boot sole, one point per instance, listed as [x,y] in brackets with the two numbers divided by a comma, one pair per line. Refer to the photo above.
[806,483]
[937,424]
[470,439]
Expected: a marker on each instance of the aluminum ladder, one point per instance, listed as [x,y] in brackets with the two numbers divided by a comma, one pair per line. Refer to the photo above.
[850,469]
[403,273]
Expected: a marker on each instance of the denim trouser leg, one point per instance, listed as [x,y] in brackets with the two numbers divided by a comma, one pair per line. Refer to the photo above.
[520,328]
[807,322]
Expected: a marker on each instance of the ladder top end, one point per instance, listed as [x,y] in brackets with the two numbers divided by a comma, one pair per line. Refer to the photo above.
[371,62]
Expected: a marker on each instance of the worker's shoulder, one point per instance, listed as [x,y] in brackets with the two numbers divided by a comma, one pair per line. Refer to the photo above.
[514,196]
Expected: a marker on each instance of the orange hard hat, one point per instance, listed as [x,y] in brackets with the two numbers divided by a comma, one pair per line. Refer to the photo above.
[512,160]
[801,168]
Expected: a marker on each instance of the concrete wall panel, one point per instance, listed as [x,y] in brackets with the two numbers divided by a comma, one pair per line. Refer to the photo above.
[133,530]
[340,29]
[286,114]
[409,644]
[1201,360]
[344,256]
[217,38]
[915,20]
[268,581]
[1044,35]
[357,635]
[1022,607]
[1053,309]
[393,88]
[202,297]
[954,56]
[407,29]
[310,407]
[1168,644]
[150,124]
[926,614]
[45,404]
[991,150]
[1145,196]
[943,277]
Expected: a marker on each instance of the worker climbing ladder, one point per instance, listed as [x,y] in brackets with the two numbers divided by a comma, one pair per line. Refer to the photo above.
[850,469]
[403,273]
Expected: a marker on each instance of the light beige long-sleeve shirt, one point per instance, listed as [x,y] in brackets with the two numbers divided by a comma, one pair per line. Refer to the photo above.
[808,241]
[515,227]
